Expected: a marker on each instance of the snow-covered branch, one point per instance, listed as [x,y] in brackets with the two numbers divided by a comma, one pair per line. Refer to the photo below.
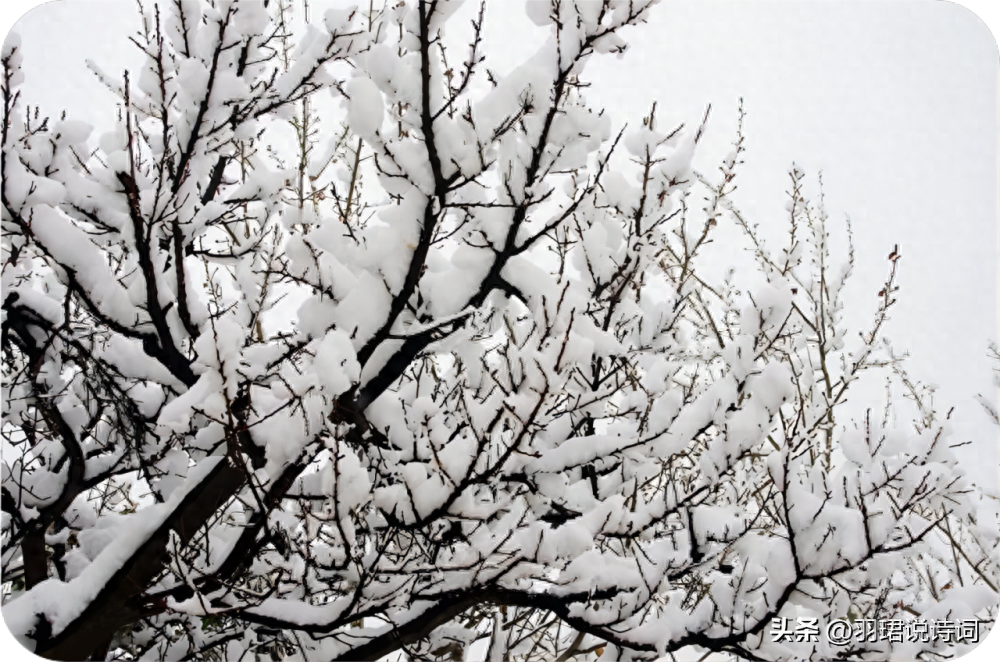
[335,347]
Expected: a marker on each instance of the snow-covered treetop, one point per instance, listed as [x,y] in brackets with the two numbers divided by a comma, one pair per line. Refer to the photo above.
[339,344]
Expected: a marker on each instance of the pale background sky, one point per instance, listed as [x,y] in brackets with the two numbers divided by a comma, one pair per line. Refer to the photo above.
[896,101]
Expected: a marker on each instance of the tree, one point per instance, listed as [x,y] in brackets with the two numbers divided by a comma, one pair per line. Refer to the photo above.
[473,393]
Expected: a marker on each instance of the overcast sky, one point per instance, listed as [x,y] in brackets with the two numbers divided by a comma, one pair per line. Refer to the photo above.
[896,102]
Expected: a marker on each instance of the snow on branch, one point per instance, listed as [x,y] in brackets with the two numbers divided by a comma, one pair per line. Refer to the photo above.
[338,345]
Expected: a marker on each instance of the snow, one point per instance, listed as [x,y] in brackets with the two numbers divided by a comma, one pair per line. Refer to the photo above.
[610,416]
[72,132]
[360,313]
[577,451]
[530,82]
[620,193]
[251,18]
[365,107]
[42,304]
[73,248]
[443,11]
[339,20]
[335,363]
[175,416]
[642,141]
[61,602]
[134,363]
[298,612]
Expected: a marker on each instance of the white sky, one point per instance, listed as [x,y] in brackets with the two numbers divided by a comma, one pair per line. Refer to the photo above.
[897,103]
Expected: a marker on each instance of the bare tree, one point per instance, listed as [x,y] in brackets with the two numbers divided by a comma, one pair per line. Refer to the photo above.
[436,368]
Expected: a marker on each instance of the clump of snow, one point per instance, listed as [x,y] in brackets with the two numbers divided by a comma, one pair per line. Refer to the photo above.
[365,108]
[60,602]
